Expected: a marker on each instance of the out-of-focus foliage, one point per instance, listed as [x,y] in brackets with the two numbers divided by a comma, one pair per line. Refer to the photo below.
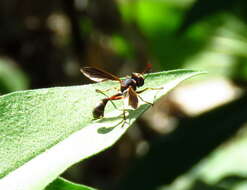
[225,168]
[62,184]
[11,77]
[188,144]
[216,43]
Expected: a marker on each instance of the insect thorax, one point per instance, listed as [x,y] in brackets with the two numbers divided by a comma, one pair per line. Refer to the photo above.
[128,82]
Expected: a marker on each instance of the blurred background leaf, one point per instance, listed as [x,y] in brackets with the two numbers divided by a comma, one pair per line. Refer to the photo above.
[11,77]
[62,184]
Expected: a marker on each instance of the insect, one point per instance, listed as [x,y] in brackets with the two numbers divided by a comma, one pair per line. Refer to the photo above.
[128,88]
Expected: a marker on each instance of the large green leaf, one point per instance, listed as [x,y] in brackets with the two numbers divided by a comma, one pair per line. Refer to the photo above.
[45,131]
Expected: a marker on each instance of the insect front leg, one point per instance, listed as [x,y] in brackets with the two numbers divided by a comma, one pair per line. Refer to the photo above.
[106,90]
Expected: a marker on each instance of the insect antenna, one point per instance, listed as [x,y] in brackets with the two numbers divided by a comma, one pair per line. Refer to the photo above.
[147,70]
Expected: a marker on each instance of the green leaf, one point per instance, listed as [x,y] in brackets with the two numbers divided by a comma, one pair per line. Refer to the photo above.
[62,184]
[45,131]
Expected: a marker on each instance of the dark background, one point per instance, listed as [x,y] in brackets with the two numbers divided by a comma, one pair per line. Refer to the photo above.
[45,43]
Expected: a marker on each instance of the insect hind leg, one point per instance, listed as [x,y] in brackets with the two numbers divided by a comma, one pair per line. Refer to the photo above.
[123,120]
[109,98]
[99,110]
[116,97]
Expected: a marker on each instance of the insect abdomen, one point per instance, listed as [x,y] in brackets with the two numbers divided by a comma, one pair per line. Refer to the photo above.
[99,110]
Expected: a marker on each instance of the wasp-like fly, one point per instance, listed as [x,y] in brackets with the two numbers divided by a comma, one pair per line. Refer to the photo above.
[128,88]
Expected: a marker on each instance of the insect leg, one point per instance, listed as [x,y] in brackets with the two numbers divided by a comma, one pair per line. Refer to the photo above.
[145,100]
[106,90]
[124,119]
[118,97]
[99,110]
[109,98]
[145,89]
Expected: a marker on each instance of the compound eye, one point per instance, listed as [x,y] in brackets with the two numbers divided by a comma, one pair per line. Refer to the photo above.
[140,81]
[138,78]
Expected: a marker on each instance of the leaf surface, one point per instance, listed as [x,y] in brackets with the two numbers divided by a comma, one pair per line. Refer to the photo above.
[45,131]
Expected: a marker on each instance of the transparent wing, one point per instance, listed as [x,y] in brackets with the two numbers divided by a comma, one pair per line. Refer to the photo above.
[98,75]
[133,99]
